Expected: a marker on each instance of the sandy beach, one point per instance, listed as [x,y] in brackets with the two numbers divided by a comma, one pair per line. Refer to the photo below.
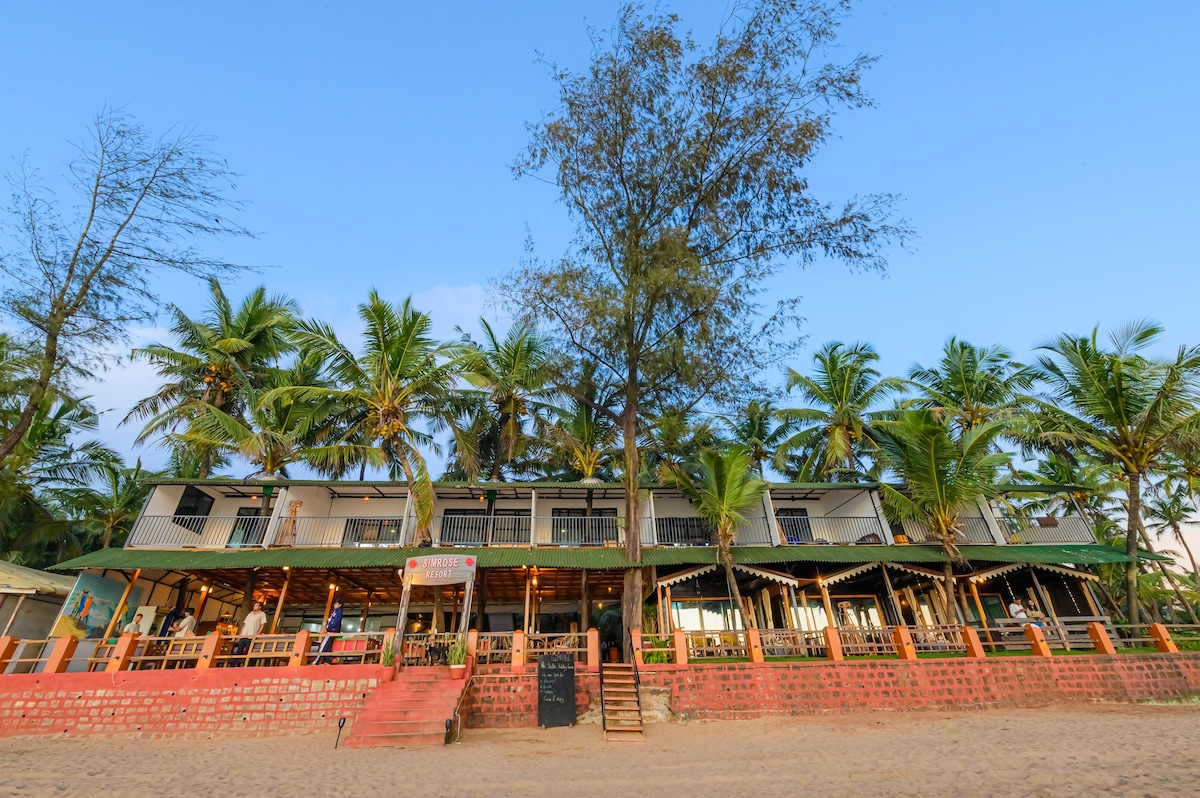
[1100,750]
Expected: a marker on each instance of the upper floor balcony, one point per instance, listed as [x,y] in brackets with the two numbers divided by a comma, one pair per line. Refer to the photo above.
[221,514]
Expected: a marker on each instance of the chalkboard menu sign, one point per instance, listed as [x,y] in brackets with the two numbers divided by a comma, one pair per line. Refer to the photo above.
[556,689]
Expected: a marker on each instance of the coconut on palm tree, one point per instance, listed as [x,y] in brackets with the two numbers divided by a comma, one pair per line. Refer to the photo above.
[722,488]
[1120,407]
[971,385]
[378,400]
[759,429]
[943,475]
[832,435]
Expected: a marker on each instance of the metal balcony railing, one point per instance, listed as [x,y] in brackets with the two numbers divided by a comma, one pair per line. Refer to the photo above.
[198,532]
[482,530]
[974,531]
[339,531]
[799,530]
[1068,529]
[575,531]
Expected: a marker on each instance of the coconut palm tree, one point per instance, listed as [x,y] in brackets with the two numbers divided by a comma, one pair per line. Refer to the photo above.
[513,375]
[759,429]
[212,357]
[943,475]
[722,487]
[1168,513]
[673,438]
[971,385]
[109,506]
[402,378]
[1121,408]
[832,435]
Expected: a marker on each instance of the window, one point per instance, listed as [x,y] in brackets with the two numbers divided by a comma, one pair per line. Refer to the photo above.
[193,508]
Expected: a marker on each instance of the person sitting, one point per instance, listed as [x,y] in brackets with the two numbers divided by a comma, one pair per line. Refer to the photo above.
[1017,608]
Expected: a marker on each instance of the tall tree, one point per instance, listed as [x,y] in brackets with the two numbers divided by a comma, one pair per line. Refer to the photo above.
[943,475]
[109,506]
[831,435]
[1121,408]
[212,359]
[722,488]
[76,284]
[682,167]
[402,378]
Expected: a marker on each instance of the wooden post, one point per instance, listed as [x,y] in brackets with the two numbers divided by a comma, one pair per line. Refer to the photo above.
[402,620]
[518,652]
[658,597]
[1162,639]
[60,655]
[754,644]
[982,614]
[439,621]
[635,640]
[1087,595]
[472,642]
[887,580]
[8,647]
[525,624]
[1037,641]
[12,618]
[362,620]
[593,650]
[329,603]
[681,650]
[903,641]
[209,651]
[670,627]
[584,621]
[119,610]
[204,591]
[971,639]
[287,580]
[1100,639]
[833,645]
[122,652]
[830,618]
[465,619]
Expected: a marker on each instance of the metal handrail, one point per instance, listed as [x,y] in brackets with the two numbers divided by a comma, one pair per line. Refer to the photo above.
[1067,529]
[339,532]
[199,531]
[801,530]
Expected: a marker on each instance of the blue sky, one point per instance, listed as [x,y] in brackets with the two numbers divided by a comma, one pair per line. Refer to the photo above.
[1046,153]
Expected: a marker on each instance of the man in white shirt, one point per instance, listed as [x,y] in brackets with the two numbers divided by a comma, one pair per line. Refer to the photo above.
[1017,609]
[134,626]
[252,625]
[185,626]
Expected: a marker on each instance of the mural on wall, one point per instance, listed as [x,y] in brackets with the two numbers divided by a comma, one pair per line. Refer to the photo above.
[91,604]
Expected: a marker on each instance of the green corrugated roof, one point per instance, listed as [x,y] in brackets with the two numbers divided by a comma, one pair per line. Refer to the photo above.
[598,559]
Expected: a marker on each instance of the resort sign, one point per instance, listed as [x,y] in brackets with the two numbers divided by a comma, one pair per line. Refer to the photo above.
[440,569]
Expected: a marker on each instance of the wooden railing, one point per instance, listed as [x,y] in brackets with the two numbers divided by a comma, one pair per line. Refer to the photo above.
[937,639]
[723,644]
[426,648]
[494,648]
[556,643]
[792,643]
[867,641]
[28,657]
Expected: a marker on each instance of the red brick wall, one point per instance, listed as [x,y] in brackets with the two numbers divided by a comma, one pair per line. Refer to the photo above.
[186,703]
[498,699]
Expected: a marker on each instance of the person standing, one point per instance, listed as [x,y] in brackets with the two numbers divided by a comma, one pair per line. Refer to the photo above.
[134,626]
[185,626]
[252,626]
[333,626]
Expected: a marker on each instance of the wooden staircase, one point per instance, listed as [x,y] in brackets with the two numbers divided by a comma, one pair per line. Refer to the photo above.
[411,710]
[620,702]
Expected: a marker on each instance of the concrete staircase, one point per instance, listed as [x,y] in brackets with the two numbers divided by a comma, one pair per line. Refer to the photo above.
[410,710]
[620,702]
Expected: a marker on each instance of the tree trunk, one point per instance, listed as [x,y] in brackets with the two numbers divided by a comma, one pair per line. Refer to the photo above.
[951,603]
[1174,583]
[631,597]
[1191,557]
[731,578]
[1132,525]
[248,593]
[48,367]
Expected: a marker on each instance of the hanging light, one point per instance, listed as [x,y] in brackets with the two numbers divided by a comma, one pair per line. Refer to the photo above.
[366,499]
[254,498]
[287,567]
[332,586]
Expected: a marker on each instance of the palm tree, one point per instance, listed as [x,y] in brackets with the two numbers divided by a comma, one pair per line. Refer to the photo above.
[759,429]
[513,374]
[110,507]
[943,474]
[971,385]
[1169,513]
[722,487]
[1121,408]
[212,358]
[402,377]
[671,438]
[833,434]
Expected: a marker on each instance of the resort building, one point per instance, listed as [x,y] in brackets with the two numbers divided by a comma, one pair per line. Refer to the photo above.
[551,560]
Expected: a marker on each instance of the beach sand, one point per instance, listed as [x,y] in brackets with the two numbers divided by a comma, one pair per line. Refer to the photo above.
[1079,750]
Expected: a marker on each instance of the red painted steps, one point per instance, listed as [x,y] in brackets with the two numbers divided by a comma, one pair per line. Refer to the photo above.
[410,710]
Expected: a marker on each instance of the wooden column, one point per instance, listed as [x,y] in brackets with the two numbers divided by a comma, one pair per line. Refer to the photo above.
[1044,598]
[204,591]
[481,620]
[13,617]
[438,620]
[525,622]
[887,580]
[830,618]
[979,605]
[464,624]
[670,621]
[1087,594]
[287,580]
[120,605]
[328,604]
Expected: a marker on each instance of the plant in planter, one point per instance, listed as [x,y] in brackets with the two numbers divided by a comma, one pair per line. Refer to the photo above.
[457,657]
[388,655]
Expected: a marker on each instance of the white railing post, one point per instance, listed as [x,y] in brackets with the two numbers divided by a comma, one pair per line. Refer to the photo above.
[989,518]
[532,516]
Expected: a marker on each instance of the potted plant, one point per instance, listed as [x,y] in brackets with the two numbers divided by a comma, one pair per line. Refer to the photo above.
[457,657]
